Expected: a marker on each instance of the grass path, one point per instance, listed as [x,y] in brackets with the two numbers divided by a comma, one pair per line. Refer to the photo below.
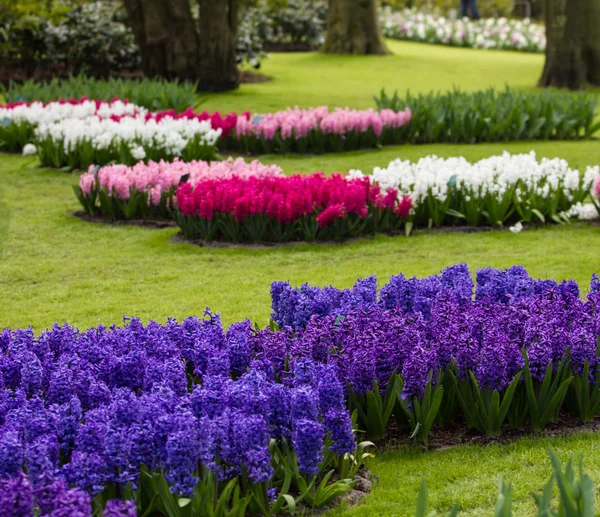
[312,79]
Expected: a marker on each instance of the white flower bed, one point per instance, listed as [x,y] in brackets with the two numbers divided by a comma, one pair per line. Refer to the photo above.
[39,113]
[77,143]
[490,33]
[493,189]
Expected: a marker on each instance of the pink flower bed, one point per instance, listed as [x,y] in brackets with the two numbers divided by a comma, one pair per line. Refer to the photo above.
[319,130]
[154,184]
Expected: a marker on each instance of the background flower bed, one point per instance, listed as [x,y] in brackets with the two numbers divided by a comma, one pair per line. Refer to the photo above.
[78,133]
[490,33]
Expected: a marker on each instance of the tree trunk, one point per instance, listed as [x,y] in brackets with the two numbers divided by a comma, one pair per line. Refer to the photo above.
[173,45]
[573,44]
[217,68]
[166,35]
[353,28]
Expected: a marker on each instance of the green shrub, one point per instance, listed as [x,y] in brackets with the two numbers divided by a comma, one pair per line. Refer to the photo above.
[153,94]
[491,116]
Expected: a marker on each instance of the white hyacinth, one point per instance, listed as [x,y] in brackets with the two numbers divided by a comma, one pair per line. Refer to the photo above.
[29,150]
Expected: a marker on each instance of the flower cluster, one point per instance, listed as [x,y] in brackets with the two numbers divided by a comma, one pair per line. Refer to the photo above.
[86,414]
[279,209]
[493,191]
[147,190]
[317,130]
[18,120]
[79,143]
[444,331]
[491,33]
[77,133]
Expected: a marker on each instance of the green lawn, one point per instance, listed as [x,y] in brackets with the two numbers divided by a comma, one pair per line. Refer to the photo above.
[55,267]
[312,79]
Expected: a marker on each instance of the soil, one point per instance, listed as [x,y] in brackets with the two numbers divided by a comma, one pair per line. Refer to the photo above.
[290,47]
[457,434]
[179,238]
[247,77]
[144,223]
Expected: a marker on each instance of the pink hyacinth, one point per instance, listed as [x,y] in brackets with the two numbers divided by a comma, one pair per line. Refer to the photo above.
[596,188]
[157,178]
[298,123]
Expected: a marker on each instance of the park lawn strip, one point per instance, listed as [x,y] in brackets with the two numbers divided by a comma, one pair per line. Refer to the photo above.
[314,79]
[56,267]
[468,476]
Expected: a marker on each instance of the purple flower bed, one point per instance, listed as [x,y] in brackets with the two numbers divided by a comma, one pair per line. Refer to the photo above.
[170,418]
[447,343]
[185,419]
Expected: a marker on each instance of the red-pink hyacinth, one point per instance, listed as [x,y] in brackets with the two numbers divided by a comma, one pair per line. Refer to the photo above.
[157,178]
[285,198]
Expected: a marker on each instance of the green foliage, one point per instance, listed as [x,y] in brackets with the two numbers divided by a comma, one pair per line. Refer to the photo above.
[545,397]
[153,94]
[74,36]
[584,393]
[373,409]
[485,409]
[495,116]
[576,493]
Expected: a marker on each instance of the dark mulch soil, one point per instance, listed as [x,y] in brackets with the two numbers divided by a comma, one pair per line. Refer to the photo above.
[290,47]
[246,77]
[457,434]
[179,238]
[144,223]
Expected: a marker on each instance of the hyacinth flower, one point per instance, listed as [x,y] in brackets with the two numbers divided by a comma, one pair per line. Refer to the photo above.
[147,191]
[495,191]
[317,130]
[281,209]
[184,410]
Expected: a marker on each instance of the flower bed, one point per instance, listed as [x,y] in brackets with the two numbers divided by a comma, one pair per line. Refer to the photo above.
[521,351]
[77,133]
[147,191]
[309,208]
[18,120]
[491,33]
[317,130]
[171,420]
[495,191]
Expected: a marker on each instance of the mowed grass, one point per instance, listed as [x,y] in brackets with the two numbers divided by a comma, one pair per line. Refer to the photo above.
[55,267]
[313,79]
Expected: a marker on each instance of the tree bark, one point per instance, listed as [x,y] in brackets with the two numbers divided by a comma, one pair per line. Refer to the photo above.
[353,28]
[217,67]
[173,45]
[573,44]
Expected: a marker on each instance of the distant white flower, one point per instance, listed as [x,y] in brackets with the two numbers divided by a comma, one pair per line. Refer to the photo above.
[517,228]
[138,153]
[29,150]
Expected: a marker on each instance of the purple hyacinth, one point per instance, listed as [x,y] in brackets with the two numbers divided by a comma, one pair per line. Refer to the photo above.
[238,337]
[16,497]
[117,508]
[308,444]
[338,424]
